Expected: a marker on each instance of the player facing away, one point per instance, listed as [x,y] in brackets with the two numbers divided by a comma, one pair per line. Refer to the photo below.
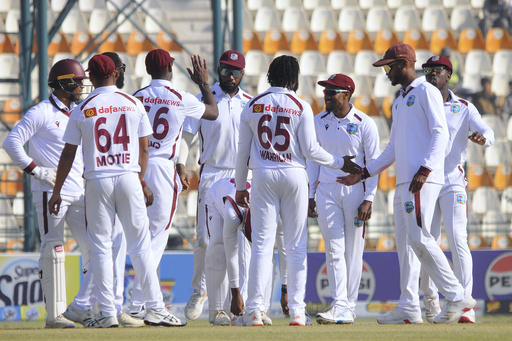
[342,129]
[43,127]
[113,129]
[464,122]
[167,108]
[277,133]
[218,146]
[418,142]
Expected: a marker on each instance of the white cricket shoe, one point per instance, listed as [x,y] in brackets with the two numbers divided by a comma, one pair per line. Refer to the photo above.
[399,316]
[237,321]
[138,315]
[452,310]
[219,318]
[162,318]
[60,322]
[267,321]
[127,321]
[335,315]
[468,317]
[100,321]
[194,307]
[432,308]
[252,319]
[78,315]
[297,319]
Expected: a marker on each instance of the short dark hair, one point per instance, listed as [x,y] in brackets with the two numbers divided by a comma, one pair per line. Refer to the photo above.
[284,72]
[115,58]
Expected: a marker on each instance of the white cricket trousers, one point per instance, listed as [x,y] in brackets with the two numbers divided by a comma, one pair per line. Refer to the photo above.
[208,176]
[104,198]
[416,247]
[343,235]
[278,192]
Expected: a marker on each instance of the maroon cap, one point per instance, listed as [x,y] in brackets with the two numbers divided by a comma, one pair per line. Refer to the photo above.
[233,58]
[157,60]
[101,66]
[439,60]
[396,52]
[341,81]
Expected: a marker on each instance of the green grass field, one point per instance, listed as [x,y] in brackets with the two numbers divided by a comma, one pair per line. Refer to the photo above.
[496,328]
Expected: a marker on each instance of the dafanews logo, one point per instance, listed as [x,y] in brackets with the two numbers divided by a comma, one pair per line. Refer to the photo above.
[498,278]
[91,112]
[258,108]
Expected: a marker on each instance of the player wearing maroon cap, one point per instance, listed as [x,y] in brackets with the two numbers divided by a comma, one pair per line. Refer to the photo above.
[113,129]
[218,146]
[342,129]
[463,119]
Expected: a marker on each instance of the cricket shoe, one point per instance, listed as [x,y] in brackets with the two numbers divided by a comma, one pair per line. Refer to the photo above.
[252,319]
[138,315]
[162,318]
[267,321]
[399,316]
[309,322]
[335,315]
[100,321]
[452,310]
[126,321]
[468,317]
[194,306]
[78,315]
[219,318]
[59,322]
[297,319]
[432,308]
[237,321]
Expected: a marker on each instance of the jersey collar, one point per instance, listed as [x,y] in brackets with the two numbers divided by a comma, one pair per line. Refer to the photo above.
[60,106]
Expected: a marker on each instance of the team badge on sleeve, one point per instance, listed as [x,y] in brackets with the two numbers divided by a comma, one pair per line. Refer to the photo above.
[258,108]
[352,128]
[409,207]
[410,100]
[461,199]
[91,112]
[455,108]
[357,222]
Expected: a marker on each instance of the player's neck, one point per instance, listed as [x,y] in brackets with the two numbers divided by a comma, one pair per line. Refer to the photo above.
[446,94]
[63,97]
[341,112]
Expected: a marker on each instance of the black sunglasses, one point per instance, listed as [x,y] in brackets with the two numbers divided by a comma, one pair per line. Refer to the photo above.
[228,72]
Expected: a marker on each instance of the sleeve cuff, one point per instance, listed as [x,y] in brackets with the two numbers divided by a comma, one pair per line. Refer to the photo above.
[30,168]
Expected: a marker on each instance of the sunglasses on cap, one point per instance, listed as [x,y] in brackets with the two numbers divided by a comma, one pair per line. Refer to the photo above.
[228,72]
[436,69]
[333,92]
[121,67]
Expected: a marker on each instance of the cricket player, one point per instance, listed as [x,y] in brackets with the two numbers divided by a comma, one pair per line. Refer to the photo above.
[277,133]
[113,129]
[342,129]
[167,109]
[464,122]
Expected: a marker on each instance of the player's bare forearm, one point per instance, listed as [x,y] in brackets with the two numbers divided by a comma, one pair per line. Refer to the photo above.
[182,173]
[65,164]
[143,156]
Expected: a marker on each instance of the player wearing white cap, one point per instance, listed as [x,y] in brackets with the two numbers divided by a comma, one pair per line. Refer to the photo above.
[167,109]
[218,147]
[418,142]
[463,119]
[113,129]
[277,133]
[342,210]
[43,127]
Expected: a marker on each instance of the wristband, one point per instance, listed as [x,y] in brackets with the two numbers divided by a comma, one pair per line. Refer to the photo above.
[284,290]
[143,184]
[30,168]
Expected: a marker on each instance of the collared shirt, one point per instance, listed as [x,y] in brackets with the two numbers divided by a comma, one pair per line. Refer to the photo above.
[219,138]
[167,108]
[355,134]
[43,127]
[419,134]
[108,124]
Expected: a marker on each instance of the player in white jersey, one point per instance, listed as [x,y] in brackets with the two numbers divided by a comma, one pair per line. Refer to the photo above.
[228,254]
[277,133]
[218,146]
[463,120]
[342,129]
[43,127]
[167,108]
[418,142]
[113,129]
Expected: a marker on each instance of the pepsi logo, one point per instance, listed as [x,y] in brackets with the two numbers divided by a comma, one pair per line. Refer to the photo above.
[498,278]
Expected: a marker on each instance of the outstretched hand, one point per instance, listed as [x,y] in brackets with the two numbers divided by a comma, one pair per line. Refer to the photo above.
[200,74]
[477,138]
[349,180]
[351,167]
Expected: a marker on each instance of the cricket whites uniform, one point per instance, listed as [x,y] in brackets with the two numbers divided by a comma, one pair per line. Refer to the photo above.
[108,125]
[337,204]
[219,146]
[419,137]
[462,118]
[167,108]
[43,127]
[277,133]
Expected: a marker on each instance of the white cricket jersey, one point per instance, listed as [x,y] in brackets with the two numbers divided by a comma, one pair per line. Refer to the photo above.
[355,134]
[108,124]
[43,127]
[220,191]
[419,134]
[219,138]
[167,108]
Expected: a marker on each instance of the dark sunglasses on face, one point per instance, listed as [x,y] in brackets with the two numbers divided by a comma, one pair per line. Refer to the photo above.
[436,69]
[229,72]
[333,92]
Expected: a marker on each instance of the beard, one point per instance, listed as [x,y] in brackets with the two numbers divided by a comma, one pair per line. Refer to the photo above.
[120,81]
[228,88]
